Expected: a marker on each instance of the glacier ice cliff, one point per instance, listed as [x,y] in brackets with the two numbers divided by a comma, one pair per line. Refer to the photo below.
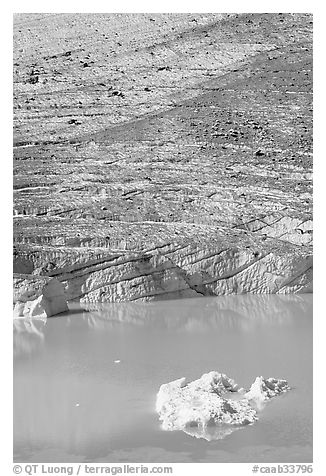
[38,296]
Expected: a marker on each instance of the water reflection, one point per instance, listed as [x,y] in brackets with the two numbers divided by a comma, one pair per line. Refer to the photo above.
[85,383]
[212,433]
[28,336]
[245,313]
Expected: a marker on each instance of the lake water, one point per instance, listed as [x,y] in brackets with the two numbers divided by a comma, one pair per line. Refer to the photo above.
[85,382]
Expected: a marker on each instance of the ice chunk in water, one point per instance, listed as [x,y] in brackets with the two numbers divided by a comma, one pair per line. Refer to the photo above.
[206,408]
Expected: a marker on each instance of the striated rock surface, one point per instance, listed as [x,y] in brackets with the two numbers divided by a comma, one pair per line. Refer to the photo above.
[213,406]
[163,155]
[38,296]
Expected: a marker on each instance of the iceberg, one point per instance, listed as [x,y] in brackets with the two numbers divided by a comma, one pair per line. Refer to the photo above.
[213,406]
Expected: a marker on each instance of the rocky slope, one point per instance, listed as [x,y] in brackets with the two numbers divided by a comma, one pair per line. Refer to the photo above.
[163,155]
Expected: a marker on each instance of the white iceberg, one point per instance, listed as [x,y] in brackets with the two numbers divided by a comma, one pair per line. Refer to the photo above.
[213,406]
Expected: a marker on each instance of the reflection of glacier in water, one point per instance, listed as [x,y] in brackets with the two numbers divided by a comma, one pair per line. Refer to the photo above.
[245,312]
[28,336]
[85,383]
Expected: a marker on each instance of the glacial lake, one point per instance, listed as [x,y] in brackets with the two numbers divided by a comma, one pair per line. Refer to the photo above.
[85,382]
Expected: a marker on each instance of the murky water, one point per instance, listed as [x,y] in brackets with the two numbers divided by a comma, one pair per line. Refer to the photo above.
[85,382]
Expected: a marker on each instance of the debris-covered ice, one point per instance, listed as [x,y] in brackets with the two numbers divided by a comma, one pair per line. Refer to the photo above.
[213,406]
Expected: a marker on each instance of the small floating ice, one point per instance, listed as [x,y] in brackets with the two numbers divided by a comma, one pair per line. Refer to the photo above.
[263,390]
[117,361]
[213,406]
